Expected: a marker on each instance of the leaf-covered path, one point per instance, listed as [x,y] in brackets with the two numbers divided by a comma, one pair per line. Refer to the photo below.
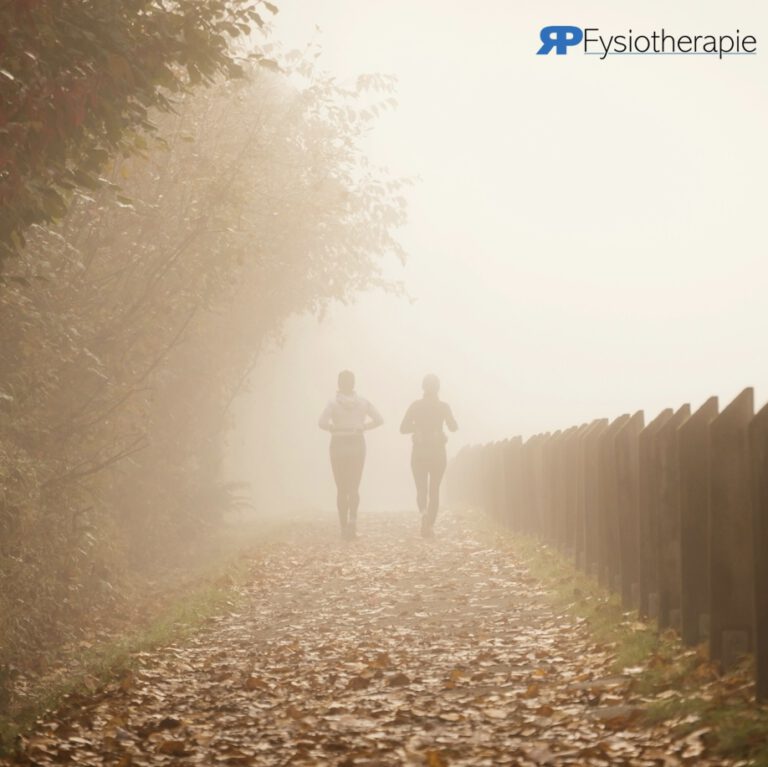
[388,651]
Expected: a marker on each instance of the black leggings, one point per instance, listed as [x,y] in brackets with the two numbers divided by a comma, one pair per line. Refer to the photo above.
[428,466]
[347,461]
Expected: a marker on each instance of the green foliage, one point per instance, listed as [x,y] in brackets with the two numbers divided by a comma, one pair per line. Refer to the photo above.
[79,82]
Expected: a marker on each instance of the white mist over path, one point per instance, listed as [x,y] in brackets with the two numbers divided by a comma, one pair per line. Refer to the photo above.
[586,238]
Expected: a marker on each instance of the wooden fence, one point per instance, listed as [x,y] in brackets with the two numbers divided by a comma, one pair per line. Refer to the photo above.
[672,514]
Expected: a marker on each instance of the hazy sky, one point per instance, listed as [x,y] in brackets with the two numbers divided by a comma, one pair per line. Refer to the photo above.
[587,237]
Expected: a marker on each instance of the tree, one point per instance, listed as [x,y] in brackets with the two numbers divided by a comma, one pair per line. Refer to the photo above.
[80,80]
[117,368]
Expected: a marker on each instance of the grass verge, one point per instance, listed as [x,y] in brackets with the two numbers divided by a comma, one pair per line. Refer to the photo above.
[676,686]
[106,660]
[182,603]
[182,609]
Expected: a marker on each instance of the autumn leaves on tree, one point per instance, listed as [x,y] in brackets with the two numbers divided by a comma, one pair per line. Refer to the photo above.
[153,236]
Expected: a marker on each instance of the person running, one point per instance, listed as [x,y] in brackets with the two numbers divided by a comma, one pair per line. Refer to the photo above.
[346,417]
[424,419]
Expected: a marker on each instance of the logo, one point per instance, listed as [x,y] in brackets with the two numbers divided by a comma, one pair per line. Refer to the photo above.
[560,38]
[657,42]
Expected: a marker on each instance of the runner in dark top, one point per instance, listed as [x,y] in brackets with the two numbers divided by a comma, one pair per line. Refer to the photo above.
[424,419]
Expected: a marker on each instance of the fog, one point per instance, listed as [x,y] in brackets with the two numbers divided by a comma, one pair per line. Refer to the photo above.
[585,237]
[212,212]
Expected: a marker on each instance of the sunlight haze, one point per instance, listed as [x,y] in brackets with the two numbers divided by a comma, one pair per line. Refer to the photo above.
[584,236]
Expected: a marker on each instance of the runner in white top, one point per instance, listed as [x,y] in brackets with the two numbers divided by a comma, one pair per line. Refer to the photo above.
[347,417]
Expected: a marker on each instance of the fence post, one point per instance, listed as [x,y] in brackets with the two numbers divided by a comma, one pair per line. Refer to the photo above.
[549,487]
[492,479]
[513,480]
[571,500]
[628,507]
[545,490]
[648,592]
[592,496]
[607,530]
[668,542]
[500,481]
[560,502]
[582,501]
[542,486]
[759,450]
[474,486]
[483,476]
[453,474]
[730,508]
[693,448]
[529,485]
[480,494]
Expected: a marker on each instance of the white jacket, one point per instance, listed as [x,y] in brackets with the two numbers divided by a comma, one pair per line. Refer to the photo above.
[347,414]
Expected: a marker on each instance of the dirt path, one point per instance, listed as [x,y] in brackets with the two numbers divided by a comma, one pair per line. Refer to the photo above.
[388,651]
